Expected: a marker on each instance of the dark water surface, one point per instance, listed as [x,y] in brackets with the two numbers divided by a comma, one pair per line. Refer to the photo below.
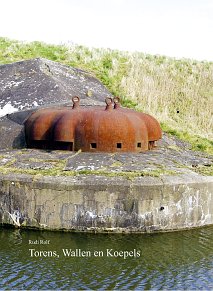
[179,260]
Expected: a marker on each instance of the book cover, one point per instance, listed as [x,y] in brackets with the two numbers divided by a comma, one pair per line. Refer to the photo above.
[106,145]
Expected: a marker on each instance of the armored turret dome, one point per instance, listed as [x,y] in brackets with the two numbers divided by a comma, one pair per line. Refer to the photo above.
[92,129]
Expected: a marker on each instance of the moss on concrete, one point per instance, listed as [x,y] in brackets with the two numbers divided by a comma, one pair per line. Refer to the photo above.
[59,171]
[206,170]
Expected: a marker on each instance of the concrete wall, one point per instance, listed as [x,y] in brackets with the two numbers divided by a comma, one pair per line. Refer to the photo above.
[92,203]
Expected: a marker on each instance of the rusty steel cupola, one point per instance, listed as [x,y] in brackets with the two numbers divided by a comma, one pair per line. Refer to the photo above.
[92,129]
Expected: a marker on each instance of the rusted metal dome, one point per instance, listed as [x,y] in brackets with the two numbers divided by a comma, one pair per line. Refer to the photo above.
[92,129]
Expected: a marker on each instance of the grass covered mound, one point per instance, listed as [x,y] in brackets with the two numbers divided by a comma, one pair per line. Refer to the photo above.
[179,93]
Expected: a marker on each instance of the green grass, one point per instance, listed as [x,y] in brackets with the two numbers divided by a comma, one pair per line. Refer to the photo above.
[204,170]
[58,170]
[197,143]
[179,93]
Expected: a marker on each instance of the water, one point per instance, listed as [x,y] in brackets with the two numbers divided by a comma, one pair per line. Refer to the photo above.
[179,260]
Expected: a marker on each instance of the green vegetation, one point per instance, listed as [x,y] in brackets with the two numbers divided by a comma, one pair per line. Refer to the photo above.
[39,167]
[177,92]
[204,170]
[56,167]
[56,171]
[197,142]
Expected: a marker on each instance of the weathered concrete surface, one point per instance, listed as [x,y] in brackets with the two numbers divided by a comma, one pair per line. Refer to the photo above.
[158,190]
[92,203]
[11,134]
[171,157]
[38,82]
[27,85]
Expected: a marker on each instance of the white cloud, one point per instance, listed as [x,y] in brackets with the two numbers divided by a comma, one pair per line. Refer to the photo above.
[180,28]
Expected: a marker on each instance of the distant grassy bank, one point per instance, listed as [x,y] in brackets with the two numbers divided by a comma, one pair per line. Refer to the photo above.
[179,93]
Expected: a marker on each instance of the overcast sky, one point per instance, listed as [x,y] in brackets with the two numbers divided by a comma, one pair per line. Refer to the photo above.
[177,28]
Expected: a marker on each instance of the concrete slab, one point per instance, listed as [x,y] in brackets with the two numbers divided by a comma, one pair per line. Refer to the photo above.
[158,161]
[89,161]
